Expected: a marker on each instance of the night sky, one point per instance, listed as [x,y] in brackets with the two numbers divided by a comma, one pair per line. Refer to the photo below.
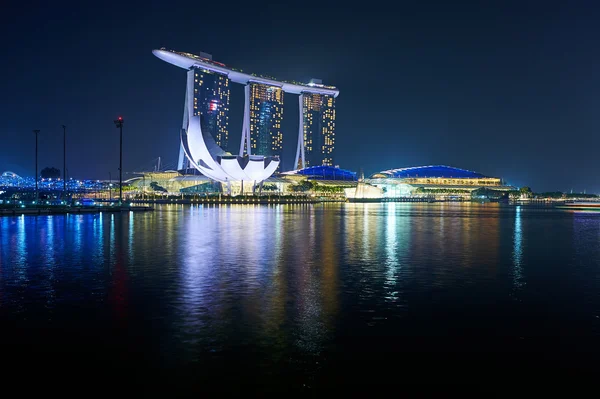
[508,89]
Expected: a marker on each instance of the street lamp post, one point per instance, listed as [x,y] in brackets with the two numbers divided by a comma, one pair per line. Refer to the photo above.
[65,160]
[119,125]
[109,187]
[37,131]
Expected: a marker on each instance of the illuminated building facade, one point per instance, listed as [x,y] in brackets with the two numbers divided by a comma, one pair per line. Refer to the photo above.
[318,130]
[263,110]
[266,116]
[434,180]
[211,103]
[207,97]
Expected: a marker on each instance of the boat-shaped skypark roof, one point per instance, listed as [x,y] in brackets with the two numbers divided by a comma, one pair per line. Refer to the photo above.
[187,61]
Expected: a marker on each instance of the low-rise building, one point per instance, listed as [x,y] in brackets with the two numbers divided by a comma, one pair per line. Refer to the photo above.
[436,181]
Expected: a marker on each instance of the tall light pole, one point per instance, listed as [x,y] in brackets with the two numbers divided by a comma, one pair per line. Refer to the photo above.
[109,187]
[119,124]
[37,131]
[64,160]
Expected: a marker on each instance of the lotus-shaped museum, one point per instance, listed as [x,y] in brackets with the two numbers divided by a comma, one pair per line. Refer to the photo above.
[210,159]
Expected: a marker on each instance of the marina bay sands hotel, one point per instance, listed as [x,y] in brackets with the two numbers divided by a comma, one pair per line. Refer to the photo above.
[207,96]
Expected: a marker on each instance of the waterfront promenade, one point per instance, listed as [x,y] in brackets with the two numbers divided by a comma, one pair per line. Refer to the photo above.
[147,204]
[62,209]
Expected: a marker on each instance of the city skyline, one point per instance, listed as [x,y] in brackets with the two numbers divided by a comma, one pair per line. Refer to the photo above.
[187,204]
[506,101]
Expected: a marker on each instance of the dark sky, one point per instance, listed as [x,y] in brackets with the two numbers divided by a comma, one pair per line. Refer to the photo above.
[509,89]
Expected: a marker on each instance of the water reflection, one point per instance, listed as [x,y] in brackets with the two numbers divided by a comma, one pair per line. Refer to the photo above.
[272,308]
[397,245]
[316,293]
[391,247]
[130,235]
[49,261]
[518,251]
[118,289]
[280,284]
[330,258]
[21,263]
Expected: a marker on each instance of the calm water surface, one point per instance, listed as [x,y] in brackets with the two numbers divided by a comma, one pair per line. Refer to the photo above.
[292,295]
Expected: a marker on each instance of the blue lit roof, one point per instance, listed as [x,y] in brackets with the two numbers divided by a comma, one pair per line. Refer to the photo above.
[431,171]
[324,173]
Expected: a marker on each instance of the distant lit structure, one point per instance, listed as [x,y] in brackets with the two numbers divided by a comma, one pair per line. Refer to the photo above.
[323,173]
[363,192]
[434,180]
[263,110]
[12,183]
[10,175]
[316,138]
[174,183]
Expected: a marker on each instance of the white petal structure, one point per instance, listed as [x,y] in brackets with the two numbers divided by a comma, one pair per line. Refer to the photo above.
[206,156]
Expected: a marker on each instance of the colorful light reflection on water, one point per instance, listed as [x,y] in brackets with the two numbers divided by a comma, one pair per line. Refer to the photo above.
[292,292]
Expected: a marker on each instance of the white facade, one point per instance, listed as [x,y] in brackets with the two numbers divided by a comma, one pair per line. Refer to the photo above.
[300,161]
[187,61]
[222,167]
[199,150]
[363,191]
